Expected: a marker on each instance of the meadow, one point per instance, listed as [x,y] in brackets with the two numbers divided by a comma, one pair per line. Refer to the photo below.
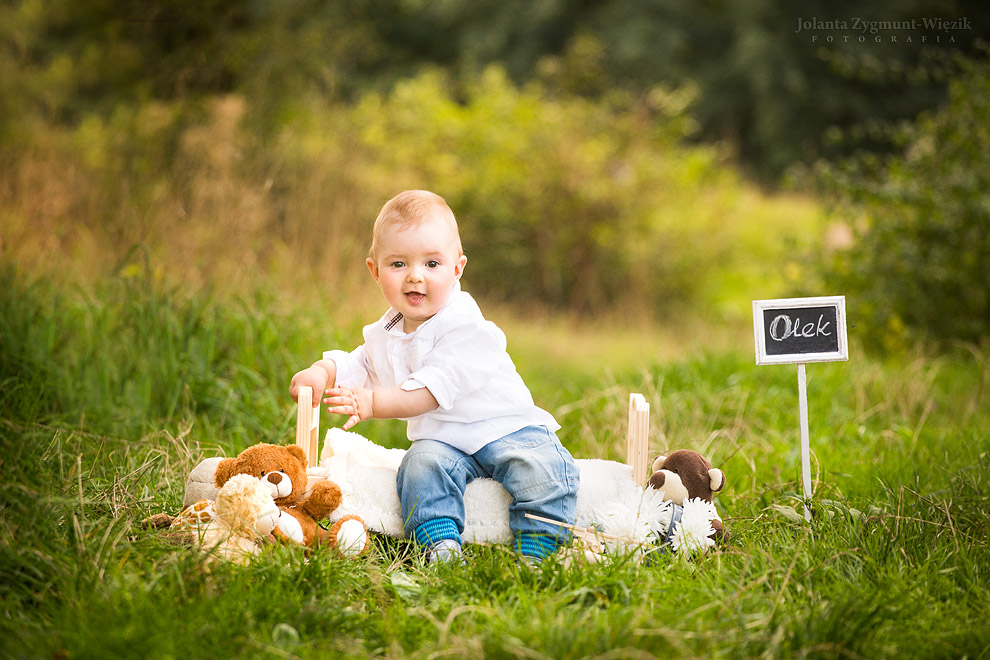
[110,391]
[186,196]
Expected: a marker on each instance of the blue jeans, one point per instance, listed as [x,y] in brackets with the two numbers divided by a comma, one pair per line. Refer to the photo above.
[531,464]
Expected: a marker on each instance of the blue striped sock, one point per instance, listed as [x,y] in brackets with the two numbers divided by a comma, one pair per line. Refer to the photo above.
[538,546]
[438,529]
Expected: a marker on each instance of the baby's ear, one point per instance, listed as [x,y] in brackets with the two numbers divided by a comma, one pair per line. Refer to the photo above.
[373,267]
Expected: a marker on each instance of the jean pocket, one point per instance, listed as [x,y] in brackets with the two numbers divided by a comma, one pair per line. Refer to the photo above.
[530,437]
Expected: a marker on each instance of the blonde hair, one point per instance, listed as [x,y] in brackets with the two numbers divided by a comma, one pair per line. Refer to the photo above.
[408,209]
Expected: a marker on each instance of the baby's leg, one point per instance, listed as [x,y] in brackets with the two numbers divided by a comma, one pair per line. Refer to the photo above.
[540,475]
[431,482]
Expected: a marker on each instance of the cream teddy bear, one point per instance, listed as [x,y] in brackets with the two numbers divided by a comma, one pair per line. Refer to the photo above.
[237,524]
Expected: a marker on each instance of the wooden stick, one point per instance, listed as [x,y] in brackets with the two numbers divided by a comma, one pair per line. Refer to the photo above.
[638,436]
[805,445]
[584,533]
[314,437]
[644,447]
[308,425]
[630,433]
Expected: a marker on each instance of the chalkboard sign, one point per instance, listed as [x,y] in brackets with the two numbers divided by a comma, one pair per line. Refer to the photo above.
[799,330]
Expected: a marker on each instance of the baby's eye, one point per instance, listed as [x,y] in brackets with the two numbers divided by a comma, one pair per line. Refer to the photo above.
[398,264]
[432,263]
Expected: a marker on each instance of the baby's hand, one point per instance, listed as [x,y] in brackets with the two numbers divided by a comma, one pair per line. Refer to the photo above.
[357,403]
[313,377]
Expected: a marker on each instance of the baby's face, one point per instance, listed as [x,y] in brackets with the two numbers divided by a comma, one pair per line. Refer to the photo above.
[417,267]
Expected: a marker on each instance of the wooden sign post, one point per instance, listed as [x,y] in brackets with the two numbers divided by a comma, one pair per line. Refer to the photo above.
[798,331]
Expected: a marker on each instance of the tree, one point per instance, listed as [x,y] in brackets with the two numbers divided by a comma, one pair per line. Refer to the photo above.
[920,265]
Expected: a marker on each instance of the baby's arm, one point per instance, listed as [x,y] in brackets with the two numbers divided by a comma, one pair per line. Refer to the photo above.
[321,375]
[360,403]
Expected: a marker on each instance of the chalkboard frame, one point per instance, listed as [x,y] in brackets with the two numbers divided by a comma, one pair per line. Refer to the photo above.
[759,329]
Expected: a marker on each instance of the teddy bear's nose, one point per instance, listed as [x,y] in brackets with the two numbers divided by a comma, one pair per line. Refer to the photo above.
[275,478]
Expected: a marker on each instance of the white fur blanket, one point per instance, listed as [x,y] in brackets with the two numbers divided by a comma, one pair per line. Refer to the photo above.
[608,498]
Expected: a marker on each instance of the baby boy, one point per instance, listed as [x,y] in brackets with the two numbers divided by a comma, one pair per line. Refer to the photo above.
[435,361]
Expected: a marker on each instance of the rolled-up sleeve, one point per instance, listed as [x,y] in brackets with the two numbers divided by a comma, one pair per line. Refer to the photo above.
[352,368]
[463,361]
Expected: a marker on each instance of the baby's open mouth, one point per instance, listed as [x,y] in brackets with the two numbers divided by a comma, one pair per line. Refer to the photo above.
[415,298]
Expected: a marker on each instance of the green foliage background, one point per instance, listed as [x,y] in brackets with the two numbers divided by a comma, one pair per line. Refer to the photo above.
[753,68]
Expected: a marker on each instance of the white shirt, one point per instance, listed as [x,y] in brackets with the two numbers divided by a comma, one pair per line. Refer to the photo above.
[461,359]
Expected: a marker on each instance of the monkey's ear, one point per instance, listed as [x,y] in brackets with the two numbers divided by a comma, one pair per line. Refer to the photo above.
[657,462]
[717,478]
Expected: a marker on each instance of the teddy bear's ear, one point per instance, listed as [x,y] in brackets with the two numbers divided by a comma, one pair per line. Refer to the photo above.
[717,478]
[298,452]
[657,462]
[225,470]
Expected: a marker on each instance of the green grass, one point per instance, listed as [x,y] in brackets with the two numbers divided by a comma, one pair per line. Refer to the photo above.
[109,396]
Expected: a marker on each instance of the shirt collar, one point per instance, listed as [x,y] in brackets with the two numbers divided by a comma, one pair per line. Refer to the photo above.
[391,320]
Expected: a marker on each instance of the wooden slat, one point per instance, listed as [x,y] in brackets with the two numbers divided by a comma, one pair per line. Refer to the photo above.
[308,426]
[638,437]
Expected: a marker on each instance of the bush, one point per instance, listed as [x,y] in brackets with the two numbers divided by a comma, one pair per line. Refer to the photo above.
[562,202]
[566,203]
[919,267]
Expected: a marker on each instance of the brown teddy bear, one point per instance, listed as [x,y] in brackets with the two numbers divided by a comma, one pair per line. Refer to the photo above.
[283,470]
[686,475]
